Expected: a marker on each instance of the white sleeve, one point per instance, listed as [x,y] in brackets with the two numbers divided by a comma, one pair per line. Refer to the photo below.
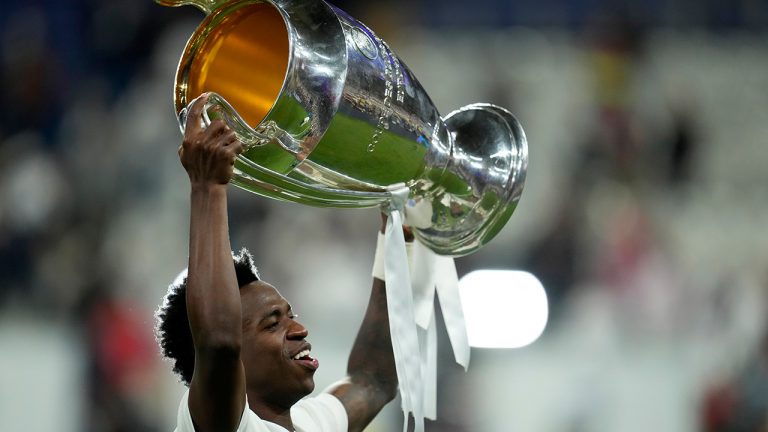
[323,413]
[184,418]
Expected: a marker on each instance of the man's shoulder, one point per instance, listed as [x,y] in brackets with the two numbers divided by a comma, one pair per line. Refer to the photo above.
[322,413]
[249,421]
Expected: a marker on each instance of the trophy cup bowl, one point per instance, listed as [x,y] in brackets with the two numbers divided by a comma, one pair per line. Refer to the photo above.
[330,117]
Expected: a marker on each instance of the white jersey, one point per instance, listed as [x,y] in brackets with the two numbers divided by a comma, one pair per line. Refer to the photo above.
[323,413]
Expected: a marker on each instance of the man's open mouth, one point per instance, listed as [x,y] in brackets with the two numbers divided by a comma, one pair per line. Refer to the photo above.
[306,360]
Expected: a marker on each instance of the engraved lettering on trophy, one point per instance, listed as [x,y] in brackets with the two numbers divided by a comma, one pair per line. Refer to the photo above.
[383,122]
[393,76]
[398,74]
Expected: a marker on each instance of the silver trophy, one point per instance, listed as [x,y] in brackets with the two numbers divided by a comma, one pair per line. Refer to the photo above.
[329,116]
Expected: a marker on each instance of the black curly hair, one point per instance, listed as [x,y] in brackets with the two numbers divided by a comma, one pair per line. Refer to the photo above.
[172,327]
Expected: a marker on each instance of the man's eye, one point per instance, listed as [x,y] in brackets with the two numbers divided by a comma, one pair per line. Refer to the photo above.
[272,325]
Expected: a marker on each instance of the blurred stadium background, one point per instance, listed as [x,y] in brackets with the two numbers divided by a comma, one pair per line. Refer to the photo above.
[643,215]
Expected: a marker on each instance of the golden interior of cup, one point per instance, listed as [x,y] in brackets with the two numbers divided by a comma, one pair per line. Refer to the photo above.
[244,59]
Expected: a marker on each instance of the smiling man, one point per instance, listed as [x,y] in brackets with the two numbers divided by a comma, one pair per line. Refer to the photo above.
[235,341]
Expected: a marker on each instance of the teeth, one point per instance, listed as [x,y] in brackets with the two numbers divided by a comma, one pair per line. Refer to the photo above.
[301,354]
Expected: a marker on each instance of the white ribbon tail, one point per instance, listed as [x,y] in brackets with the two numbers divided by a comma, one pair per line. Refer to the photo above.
[453,314]
[428,340]
[403,331]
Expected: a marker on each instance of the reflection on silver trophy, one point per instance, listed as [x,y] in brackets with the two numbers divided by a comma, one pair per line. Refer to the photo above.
[331,117]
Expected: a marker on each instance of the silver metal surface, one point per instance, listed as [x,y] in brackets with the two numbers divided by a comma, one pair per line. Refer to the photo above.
[351,121]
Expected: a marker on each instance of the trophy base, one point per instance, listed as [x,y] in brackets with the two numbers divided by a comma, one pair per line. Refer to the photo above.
[482,183]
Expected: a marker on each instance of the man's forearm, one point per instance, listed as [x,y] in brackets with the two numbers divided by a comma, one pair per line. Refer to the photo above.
[371,354]
[213,298]
[371,374]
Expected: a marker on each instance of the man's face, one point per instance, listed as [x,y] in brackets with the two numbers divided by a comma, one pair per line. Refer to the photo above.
[275,353]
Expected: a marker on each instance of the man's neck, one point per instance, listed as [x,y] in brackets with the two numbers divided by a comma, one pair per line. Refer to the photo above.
[275,414]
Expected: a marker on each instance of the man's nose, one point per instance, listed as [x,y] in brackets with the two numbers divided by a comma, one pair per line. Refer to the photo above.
[297,331]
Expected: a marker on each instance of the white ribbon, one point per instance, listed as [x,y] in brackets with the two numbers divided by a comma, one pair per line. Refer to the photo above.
[405,339]
[410,303]
[450,305]
[430,272]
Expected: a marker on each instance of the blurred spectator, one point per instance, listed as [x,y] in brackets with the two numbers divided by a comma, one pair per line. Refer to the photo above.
[34,199]
[616,43]
[123,356]
[556,257]
[683,146]
[31,75]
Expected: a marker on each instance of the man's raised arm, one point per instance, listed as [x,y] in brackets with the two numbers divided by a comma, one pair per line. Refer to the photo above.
[371,375]
[217,389]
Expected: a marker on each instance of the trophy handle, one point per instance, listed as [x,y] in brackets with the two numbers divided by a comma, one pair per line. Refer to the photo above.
[206,6]
[218,108]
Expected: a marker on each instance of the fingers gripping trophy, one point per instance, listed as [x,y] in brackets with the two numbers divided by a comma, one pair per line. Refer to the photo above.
[329,116]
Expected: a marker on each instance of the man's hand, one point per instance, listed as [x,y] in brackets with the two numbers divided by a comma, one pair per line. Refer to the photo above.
[208,153]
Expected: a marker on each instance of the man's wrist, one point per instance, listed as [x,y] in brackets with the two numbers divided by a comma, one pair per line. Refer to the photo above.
[206,188]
